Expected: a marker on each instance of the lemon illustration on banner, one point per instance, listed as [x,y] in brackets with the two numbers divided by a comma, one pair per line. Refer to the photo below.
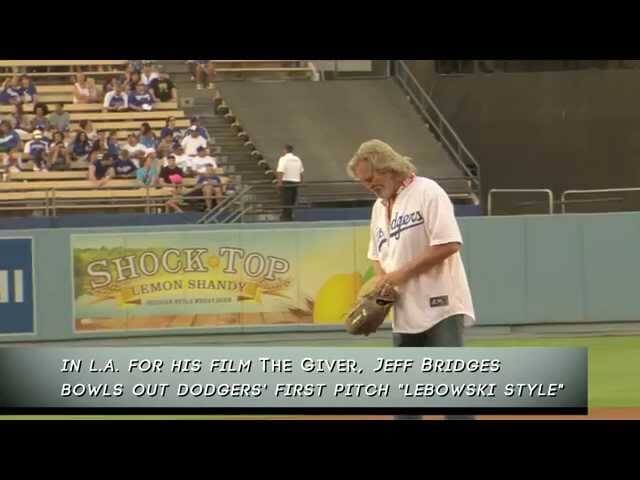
[336,297]
[214,262]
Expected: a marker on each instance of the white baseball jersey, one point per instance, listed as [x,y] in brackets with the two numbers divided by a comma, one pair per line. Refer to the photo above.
[422,216]
[291,168]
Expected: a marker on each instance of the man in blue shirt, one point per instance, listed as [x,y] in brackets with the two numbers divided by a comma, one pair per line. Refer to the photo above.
[116,100]
[123,166]
[141,99]
[27,90]
[37,150]
[10,92]
[9,138]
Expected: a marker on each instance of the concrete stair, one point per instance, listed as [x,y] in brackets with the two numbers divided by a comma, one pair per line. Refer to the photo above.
[239,158]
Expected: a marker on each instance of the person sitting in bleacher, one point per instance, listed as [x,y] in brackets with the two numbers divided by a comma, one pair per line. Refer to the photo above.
[101,169]
[211,185]
[60,119]
[136,150]
[147,175]
[193,141]
[40,121]
[11,161]
[80,148]
[203,71]
[131,80]
[28,91]
[113,146]
[101,143]
[87,127]
[195,122]
[37,150]
[9,138]
[173,176]
[123,165]
[59,157]
[147,137]
[163,89]
[166,146]
[116,100]
[10,92]
[170,130]
[141,99]
[182,160]
[149,74]
[199,162]
[83,90]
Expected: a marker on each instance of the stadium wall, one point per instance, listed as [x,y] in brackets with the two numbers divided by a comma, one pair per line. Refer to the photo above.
[523,270]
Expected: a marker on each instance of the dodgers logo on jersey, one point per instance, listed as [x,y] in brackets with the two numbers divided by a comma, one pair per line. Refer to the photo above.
[16,286]
[380,239]
[402,222]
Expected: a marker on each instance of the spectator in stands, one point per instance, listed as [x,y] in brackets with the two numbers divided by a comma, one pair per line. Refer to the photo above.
[199,162]
[40,120]
[58,137]
[28,91]
[193,141]
[147,137]
[182,160]
[37,151]
[136,150]
[149,74]
[59,157]
[10,92]
[11,161]
[171,131]
[12,117]
[116,100]
[163,89]
[290,173]
[113,146]
[80,148]
[100,143]
[9,138]
[83,91]
[141,99]
[131,81]
[211,185]
[101,169]
[147,175]
[87,127]
[204,72]
[124,166]
[169,173]
[135,66]
[195,122]
[60,119]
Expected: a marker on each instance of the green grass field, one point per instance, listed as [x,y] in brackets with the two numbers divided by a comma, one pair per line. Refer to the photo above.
[614,369]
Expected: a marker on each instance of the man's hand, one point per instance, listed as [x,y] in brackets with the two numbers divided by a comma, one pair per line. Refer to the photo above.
[395,279]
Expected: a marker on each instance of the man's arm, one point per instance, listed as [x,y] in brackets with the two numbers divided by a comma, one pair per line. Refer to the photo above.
[428,259]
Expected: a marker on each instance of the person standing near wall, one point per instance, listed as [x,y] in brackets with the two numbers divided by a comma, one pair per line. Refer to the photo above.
[290,173]
[415,247]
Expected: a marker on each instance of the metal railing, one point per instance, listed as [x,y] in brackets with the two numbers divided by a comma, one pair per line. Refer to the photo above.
[445,132]
[519,190]
[564,202]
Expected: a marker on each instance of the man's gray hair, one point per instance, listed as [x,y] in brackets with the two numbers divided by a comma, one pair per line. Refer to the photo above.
[382,158]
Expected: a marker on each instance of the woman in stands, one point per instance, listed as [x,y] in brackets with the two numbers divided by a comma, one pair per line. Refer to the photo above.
[80,148]
[10,92]
[170,130]
[147,137]
[40,120]
[131,81]
[82,90]
[87,127]
[19,121]
[147,175]
[113,146]
[28,90]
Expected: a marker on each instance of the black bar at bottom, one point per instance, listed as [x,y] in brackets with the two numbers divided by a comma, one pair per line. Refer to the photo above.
[295,411]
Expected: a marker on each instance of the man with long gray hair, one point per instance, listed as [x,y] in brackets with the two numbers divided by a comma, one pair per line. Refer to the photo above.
[415,248]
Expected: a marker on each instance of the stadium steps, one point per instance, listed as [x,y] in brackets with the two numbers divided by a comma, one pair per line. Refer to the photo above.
[231,149]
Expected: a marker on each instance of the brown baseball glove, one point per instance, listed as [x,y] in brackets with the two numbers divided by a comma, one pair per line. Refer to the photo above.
[370,311]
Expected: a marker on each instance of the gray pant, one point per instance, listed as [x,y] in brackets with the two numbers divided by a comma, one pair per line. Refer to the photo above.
[447,333]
